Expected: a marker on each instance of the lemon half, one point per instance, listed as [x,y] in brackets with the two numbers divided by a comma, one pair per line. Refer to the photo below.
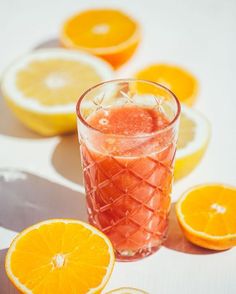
[194,135]
[42,87]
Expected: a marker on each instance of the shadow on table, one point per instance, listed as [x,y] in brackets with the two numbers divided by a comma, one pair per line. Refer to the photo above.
[26,199]
[6,286]
[50,43]
[66,159]
[11,126]
[176,240]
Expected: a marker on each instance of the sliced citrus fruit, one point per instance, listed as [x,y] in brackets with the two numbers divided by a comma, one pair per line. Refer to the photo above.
[178,80]
[127,290]
[42,87]
[107,33]
[60,256]
[194,135]
[206,214]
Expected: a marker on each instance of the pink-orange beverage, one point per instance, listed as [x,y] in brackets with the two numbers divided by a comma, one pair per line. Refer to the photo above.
[128,161]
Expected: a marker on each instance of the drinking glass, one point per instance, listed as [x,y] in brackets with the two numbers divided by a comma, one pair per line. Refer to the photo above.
[128,178]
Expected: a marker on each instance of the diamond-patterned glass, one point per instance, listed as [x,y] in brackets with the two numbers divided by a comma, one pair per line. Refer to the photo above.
[128,180]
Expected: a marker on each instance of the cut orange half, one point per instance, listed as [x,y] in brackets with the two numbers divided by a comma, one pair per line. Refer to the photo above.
[181,82]
[207,213]
[107,33]
[60,256]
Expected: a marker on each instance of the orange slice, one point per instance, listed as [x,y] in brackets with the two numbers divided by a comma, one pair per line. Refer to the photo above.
[107,33]
[206,214]
[60,256]
[181,82]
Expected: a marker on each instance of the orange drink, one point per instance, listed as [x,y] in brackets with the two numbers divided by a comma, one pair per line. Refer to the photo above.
[128,143]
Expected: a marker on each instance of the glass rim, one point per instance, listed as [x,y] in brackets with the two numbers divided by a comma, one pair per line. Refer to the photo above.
[166,128]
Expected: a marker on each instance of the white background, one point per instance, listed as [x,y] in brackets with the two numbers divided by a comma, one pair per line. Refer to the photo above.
[199,35]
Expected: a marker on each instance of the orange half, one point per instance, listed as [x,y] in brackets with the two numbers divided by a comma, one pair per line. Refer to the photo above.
[180,81]
[107,33]
[60,256]
[207,213]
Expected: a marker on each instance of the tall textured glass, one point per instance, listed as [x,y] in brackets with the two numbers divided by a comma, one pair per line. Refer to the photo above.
[128,132]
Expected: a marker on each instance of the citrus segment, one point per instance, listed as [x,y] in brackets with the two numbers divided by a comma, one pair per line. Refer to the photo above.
[107,33]
[42,87]
[60,256]
[181,82]
[194,135]
[207,216]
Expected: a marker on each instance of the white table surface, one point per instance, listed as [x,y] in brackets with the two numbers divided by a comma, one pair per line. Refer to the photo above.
[199,35]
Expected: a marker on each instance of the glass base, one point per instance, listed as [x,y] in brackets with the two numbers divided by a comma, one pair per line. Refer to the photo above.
[128,255]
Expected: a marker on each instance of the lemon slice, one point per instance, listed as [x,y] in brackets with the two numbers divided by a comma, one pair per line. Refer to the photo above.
[42,87]
[194,134]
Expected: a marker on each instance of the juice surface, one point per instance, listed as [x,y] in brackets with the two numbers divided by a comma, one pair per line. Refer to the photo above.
[128,179]
[135,125]
[128,120]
